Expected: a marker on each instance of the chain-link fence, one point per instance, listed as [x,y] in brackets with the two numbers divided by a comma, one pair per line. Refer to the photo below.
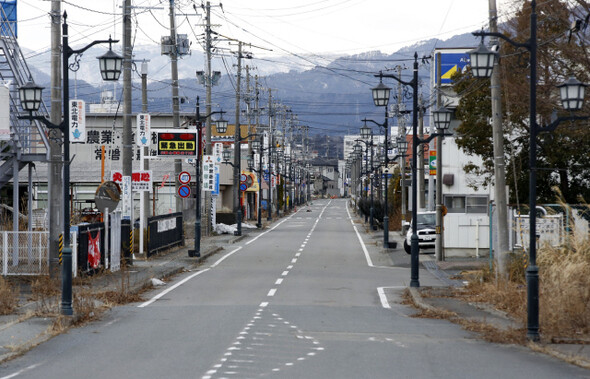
[24,253]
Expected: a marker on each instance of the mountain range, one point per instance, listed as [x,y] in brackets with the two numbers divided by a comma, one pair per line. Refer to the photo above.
[331,95]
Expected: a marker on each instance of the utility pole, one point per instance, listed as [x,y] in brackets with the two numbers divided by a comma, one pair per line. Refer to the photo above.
[270,147]
[55,157]
[127,142]
[145,163]
[402,126]
[208,85]
[248,99]
[237,147]
[439,251]
[503,248]
[175,100]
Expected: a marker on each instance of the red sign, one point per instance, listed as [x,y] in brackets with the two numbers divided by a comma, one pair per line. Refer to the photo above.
[140,180]
[184,177]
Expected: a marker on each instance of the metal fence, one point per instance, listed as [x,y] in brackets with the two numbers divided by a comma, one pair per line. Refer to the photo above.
[164,232]
[24,253]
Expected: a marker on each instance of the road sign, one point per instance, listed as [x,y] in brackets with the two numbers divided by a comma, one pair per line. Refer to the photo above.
[184,177]
[184,191]
[243,177]
[243,187]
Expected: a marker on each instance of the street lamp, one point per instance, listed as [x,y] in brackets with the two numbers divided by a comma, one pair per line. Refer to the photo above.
[30,96]
[380,99]
[572,97]
[220,124]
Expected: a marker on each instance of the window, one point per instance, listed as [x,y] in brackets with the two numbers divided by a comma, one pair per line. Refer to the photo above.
[466,203]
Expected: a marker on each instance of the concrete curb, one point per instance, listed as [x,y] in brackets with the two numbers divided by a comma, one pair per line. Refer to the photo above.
[548,349]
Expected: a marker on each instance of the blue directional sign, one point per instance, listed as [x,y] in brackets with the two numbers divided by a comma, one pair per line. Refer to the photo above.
[266,176]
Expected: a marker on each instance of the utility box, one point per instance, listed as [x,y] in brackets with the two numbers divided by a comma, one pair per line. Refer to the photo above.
[166,45]
[183,44]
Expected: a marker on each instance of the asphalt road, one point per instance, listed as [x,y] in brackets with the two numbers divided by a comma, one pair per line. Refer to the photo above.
[305,299]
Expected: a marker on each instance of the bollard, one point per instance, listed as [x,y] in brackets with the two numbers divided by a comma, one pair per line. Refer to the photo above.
[66,283]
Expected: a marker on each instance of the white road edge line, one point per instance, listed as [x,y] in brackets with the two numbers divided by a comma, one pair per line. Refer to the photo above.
[167,290]
[383,297]
[21,371]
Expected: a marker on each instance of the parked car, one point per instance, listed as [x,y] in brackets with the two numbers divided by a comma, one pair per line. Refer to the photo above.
[426,231]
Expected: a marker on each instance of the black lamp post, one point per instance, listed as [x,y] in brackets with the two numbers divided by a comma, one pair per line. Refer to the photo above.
[366,133]
[221,126]
[30,97]
[381,98]
[572,98]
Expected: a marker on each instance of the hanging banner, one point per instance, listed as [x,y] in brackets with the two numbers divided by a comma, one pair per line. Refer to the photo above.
[77,121]
[208,178]
[94,250]
[432,162]
[127,203]
[217,152]
[142,134]
[216,185]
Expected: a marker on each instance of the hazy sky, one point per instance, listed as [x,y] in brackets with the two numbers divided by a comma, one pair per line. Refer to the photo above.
[294,26]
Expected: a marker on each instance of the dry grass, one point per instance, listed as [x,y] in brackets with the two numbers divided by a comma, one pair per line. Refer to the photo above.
[45,291]
[8,297]
[564,290]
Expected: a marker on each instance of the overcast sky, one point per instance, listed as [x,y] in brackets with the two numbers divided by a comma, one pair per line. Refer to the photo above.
[323,27]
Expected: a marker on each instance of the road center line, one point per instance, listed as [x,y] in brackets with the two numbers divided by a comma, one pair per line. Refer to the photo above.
[272,292]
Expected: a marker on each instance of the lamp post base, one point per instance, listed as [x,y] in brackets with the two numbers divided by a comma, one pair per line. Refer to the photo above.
[532,281]
[386,232]
[66,283]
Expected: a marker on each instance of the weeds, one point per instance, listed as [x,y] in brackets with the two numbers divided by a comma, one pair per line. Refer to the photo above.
[45,291]
[8,297]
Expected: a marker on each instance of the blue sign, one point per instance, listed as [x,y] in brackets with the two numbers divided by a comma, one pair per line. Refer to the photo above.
[450,63]
[184,191]
[215,191]
[266,176]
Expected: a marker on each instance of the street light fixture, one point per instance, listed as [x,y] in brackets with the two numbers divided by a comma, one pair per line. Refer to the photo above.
[30,95]
[220,125]
[442,118]
[572,97]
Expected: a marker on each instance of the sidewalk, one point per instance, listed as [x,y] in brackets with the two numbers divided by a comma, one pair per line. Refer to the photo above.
[24,330]
[439,299]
